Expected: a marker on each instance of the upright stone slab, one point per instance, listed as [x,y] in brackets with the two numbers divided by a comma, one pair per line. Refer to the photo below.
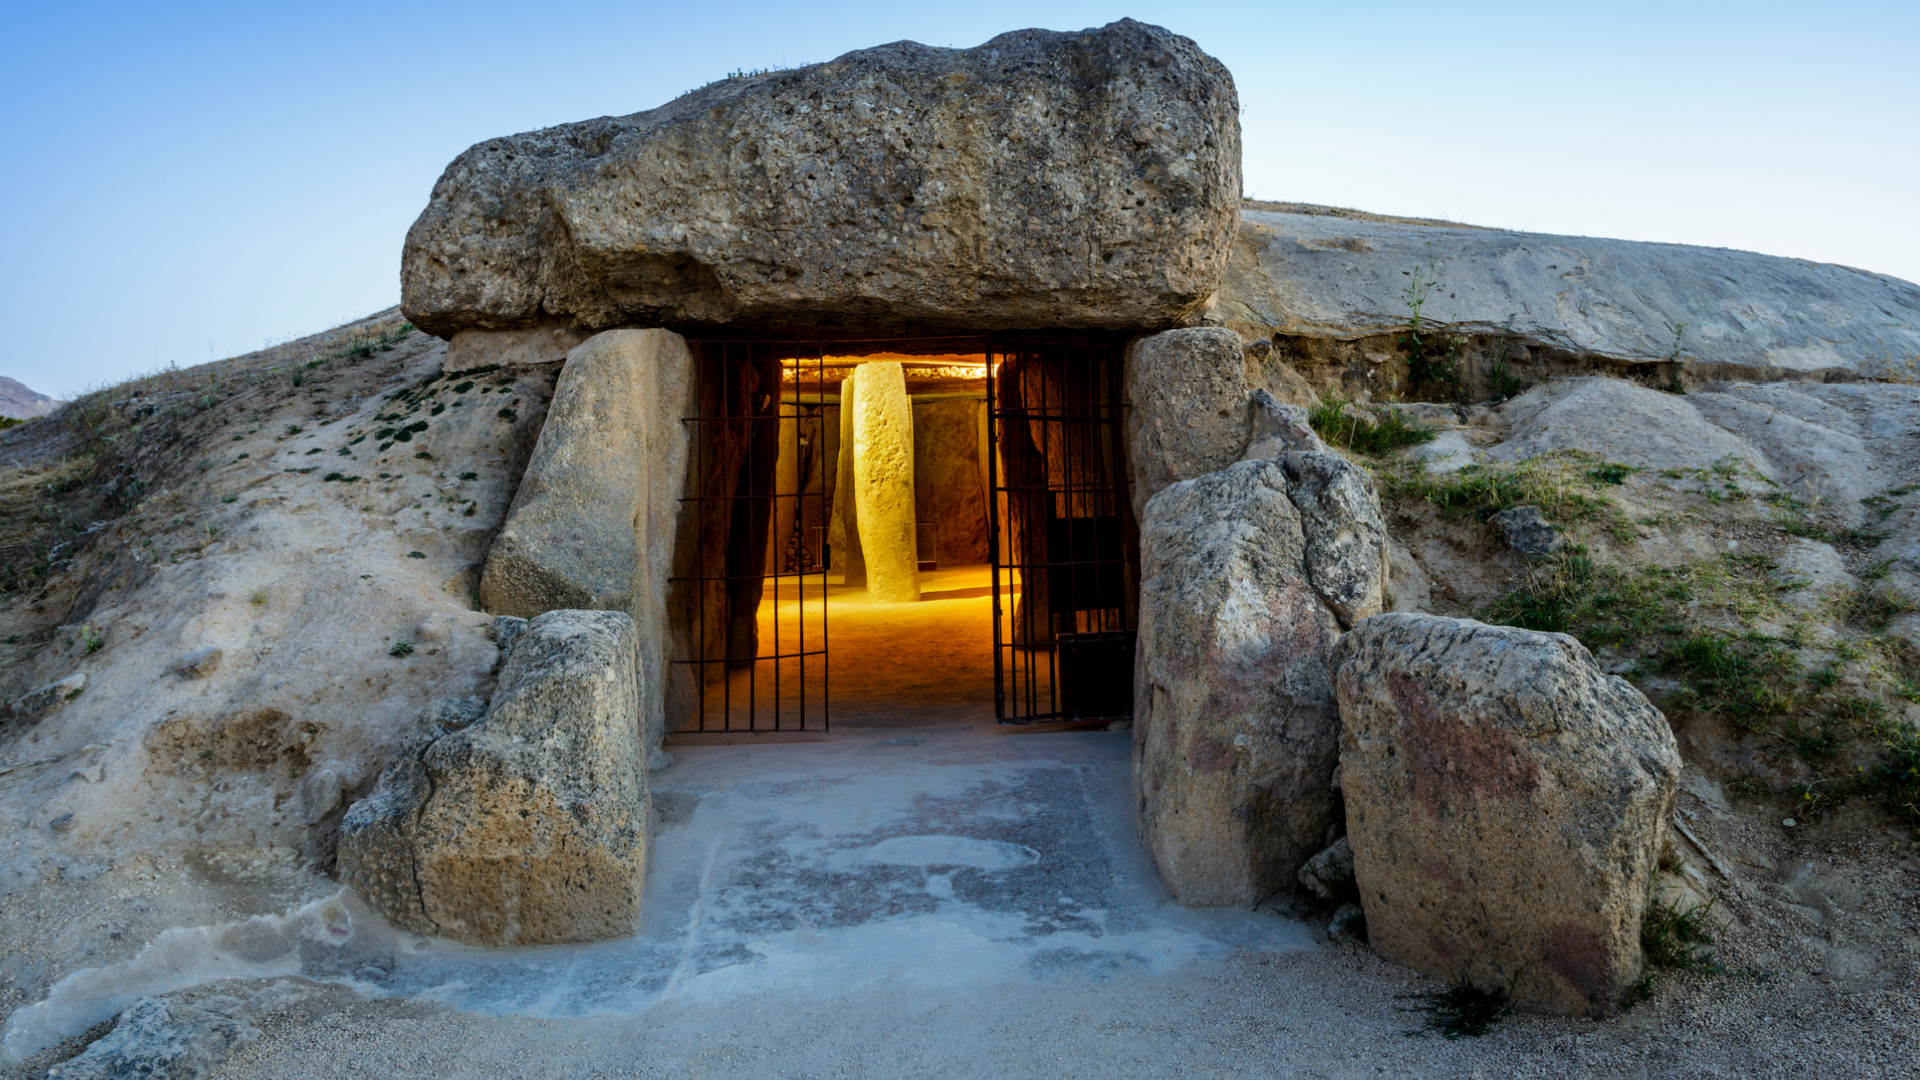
[1506,802]
[786,491]
[843,536]
[1235,729]
[528,827]
[1042,179]
[1189,393]
[883,483]
[592,525]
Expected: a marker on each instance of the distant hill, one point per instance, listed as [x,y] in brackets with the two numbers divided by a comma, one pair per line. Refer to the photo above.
[20,403]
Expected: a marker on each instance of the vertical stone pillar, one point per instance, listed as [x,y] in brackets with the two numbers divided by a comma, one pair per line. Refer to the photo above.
[786,489]
[883,483]
[592,525]
[843,533]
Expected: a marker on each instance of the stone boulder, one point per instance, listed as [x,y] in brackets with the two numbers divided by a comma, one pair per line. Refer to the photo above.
[164,1038]
[1086,179]
[593,522]
[1346,554]
[529,826]
[1620,421]
[1189,416]
[1235,729]
[1527,531]
[1275,427]
[1506,802]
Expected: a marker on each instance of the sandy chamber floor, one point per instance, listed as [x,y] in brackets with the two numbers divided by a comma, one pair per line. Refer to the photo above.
[887,665]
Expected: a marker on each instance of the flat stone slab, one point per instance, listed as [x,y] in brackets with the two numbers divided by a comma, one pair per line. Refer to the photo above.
[1758,316]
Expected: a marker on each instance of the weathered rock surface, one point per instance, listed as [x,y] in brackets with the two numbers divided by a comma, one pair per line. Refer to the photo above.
[593,523]
[1235,729]
[1527,531]
[1085,179]
[1506,802]
[1329,875]
[1274,428]
[528,826]
[50,697]
[1746,315]
[1621,421]
[197,664]
[949,480]
[164,1038]
[1190,413]
[1345,551]
[470,349]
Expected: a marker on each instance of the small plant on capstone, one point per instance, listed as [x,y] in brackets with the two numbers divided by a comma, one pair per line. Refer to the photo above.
[257,597]
[1458,1011]
[1675,360]
[416,554]
[1499,378]
[91,639]
[401,648]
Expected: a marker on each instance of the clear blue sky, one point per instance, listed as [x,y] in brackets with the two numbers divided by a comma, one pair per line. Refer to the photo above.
[191,181]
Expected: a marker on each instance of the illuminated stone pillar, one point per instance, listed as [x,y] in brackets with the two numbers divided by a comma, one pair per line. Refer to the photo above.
[786,488]
[883,483]
[843,533]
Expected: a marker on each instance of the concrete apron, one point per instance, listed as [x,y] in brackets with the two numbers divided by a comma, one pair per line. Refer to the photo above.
[936,861]
[930,858]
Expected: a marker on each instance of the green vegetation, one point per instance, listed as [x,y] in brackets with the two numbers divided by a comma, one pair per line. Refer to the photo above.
[1562,484]
[1431,358]
[1692,635]
[1897,780]
[1348,427]
[1500,379]
[401,648]
[1676,938]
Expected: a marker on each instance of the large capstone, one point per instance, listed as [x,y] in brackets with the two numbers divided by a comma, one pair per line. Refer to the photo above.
[1086,179]
[1506,802]
[1235,728]
[529,826]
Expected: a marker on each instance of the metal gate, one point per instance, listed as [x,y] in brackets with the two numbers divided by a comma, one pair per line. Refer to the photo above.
[1065,546]
[753,530]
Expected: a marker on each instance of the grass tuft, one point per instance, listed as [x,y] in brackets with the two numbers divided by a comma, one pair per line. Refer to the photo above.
[1344,425]
[1677,938]
[1458,1011]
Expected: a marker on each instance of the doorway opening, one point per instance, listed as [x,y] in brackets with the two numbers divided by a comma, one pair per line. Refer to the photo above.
[903,531]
